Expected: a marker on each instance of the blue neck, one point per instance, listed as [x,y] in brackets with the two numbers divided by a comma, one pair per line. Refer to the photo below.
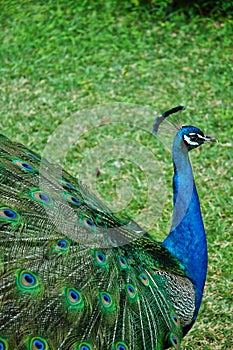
[186,240]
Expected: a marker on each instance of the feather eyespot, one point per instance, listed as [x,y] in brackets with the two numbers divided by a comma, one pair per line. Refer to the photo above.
[24,165]
[84,346]
[100,259]
[175,341]
[176,320]
[121,346]
[123,263]
[38,343]
[3,344]
[88,223]
[30,154]
[144,279]
[74,298]
[71,199]
[9,215]
[41,197]
[67,184]
[130,291]
[27,166]
[33,156]
[27,280]
[61,246]
[74,200]
[106,299]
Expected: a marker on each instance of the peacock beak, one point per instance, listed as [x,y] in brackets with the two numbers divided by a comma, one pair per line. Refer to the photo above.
[209,139]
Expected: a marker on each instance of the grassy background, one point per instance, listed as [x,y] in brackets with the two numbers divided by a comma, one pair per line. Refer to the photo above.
[58,58]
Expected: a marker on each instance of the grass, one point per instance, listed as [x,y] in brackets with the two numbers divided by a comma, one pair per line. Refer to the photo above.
[57,60]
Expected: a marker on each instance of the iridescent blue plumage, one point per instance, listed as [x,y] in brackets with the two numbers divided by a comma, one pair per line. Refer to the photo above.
[187,239]
[73,276]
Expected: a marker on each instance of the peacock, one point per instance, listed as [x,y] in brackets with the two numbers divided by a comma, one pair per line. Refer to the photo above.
[73,275]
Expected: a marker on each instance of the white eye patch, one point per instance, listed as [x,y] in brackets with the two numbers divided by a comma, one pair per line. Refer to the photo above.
[189,142]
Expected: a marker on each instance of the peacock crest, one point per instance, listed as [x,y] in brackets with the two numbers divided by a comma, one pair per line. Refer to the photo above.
[75,276]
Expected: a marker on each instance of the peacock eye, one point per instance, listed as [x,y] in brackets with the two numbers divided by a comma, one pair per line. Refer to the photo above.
[193,138]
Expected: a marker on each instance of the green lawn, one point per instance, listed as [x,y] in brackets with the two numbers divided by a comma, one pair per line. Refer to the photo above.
[58,58]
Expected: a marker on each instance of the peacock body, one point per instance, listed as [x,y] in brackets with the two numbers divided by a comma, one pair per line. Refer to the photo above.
[74,276]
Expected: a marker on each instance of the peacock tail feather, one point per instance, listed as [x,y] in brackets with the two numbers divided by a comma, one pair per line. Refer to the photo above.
[75,276]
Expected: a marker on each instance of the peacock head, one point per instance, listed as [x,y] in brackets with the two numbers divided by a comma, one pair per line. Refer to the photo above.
[191,136]
[194,137]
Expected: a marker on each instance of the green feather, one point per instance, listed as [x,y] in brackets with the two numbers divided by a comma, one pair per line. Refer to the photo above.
[75,276]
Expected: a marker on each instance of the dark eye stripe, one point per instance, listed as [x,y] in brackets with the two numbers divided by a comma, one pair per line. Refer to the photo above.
[193,137]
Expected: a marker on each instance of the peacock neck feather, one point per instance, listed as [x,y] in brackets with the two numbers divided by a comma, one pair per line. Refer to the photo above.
[186,240]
